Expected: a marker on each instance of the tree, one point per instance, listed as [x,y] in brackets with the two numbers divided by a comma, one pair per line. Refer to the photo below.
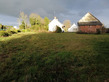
[2,27]
[9,27]
[22,26]
[34,19]
[67,24]
[46,20]
[23,18]
[38,23]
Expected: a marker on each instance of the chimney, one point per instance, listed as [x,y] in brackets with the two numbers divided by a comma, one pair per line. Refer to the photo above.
[54,17]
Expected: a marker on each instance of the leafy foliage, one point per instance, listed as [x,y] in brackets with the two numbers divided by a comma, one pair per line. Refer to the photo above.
[107,30]
[58,29]
[46,20]
[22,26]
[2,27]
[35,19]
[10,28]
[23,20]
[18,30]
[12,32]
[3,33]
[67,24]
[98,31]
[38,23]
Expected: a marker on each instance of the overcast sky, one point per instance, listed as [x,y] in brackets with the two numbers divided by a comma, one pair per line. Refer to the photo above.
[72,10]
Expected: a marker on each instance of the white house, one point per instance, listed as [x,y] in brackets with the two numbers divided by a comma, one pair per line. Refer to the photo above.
[73,28]
[15,27]
[54,23]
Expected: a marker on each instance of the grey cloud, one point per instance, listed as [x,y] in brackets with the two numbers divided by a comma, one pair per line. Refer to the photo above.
[64,9]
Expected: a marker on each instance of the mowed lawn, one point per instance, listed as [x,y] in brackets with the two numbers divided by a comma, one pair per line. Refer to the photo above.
[54,57]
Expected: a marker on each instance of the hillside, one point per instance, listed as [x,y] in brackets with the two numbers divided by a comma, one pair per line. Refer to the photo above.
[54,57]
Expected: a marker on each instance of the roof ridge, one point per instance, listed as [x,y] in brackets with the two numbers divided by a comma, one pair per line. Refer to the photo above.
[88,17]
[93,15]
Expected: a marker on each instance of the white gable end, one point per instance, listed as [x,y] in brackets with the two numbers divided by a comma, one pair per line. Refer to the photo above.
[73,28]
[53,24]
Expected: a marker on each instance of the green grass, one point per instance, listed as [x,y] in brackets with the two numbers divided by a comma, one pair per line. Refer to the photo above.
[54,57]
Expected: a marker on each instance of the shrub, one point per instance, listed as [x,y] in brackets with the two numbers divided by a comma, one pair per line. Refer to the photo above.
[38,28]
[58,29]
[23,30]
[4,33]
[18,31]
[2,27]
[23,25]
[11,32]
[35,27]
[28,30]
[107,30]
[98,31]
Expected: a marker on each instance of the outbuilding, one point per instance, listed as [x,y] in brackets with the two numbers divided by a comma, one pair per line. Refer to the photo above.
[73,28]
[89,24]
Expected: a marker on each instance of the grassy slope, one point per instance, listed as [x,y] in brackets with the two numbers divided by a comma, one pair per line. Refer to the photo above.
[54,57]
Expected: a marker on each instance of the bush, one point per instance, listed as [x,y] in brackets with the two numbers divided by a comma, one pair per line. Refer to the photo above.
[58,29]
[4,33]
[12,32]
[39,28]
[35,27]
[26,30]
[18,31]
[23,25]
[98,31]
[107,30]
[2,27]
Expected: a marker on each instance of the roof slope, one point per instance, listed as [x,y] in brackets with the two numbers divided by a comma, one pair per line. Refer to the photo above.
[55,22]
[74,26]
[89,19]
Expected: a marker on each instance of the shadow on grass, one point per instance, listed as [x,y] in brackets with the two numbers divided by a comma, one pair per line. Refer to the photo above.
[102,60]
[30,58]
[42,58]
[13,45]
